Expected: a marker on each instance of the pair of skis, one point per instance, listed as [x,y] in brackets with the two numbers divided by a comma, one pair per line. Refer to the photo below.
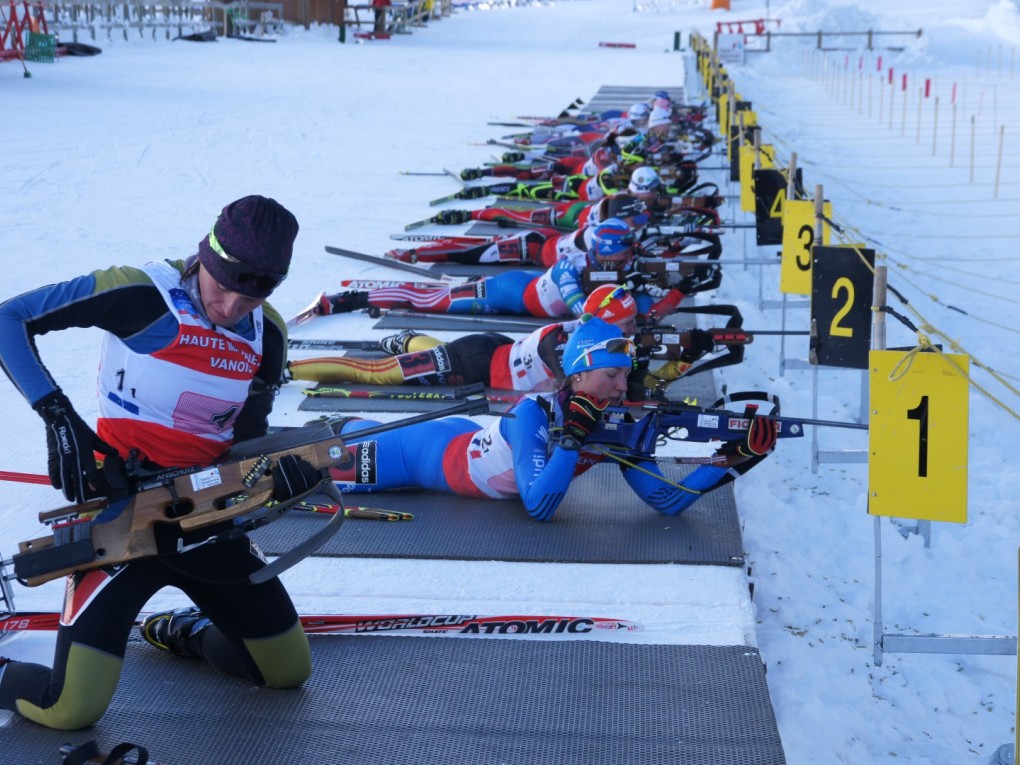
[418,394]
[518,625]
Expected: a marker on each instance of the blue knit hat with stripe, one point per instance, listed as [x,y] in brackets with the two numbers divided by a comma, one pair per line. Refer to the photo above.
[587,348]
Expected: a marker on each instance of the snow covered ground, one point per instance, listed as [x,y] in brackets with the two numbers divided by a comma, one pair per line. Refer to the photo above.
[127,157]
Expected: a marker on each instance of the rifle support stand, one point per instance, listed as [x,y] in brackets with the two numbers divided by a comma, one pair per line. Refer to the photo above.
[783,361]
[6,593]
[819,455]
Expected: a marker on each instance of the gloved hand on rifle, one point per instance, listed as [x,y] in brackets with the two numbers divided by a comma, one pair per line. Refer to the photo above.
[293,476]
[698,343]
[760,440]
[581,416]
[668,304]
[71,447]
[635,280]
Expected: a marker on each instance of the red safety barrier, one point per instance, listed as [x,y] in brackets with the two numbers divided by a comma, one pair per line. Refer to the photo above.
[760,26]
[16,30]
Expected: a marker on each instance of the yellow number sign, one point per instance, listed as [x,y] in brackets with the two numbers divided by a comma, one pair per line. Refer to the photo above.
[747,158]
[918,437]
[798,237]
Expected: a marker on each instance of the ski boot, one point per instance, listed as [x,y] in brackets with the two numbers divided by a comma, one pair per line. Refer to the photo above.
[470,174]
[345,302]
[395,345]
[450,217]
[404,256]
[176,631]
[336,423]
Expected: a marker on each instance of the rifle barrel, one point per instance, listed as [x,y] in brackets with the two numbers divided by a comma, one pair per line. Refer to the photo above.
[468,406]
[823,423]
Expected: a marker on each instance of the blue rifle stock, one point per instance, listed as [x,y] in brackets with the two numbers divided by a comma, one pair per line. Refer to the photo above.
[677,421]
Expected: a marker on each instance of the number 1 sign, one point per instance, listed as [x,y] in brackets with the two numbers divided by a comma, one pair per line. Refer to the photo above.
[917,440]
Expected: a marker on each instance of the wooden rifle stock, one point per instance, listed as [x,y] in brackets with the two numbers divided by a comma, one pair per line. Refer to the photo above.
[103,533]
[227,498]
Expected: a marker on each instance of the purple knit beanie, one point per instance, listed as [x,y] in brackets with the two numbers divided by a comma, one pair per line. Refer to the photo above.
[249,248]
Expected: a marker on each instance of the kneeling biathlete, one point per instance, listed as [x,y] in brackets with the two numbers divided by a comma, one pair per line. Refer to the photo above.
[519,457]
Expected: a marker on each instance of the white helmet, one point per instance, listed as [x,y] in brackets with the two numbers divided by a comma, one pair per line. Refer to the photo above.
[644,179]
[639,111]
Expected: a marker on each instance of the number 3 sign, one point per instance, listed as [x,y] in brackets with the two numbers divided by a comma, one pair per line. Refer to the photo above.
[917,436]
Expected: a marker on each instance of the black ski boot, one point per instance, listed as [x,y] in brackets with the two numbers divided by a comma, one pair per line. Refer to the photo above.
[176,631]
[345,302]
[448,217]
[396,344]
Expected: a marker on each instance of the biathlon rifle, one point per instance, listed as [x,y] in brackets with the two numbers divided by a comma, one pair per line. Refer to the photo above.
[665,273]
[666,342]
[627,434]
[223,500]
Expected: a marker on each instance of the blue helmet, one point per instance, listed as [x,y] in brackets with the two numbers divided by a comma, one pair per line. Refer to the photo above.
[610,239]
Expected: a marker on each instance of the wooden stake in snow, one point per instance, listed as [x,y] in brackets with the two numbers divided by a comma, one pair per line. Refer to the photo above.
[998,159]
[973,134]
[952,139]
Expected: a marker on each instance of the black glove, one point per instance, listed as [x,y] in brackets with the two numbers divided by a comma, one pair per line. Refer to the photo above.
[293,476]
[698,279]
[71,445]
[637,392]
[581,416]
[698,345]
[687,284]
[636,279]
[760,440]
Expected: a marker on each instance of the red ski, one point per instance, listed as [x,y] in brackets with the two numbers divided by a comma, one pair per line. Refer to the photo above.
[446,624]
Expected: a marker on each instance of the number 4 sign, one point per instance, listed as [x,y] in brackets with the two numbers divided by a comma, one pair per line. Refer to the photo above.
[918,436]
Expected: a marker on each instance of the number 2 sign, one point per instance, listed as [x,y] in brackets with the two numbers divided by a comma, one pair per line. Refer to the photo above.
[842,284]
[917,436]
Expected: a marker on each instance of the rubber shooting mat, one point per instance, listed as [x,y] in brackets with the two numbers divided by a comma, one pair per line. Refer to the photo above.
[600,521]
[625,96]
[378,700]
